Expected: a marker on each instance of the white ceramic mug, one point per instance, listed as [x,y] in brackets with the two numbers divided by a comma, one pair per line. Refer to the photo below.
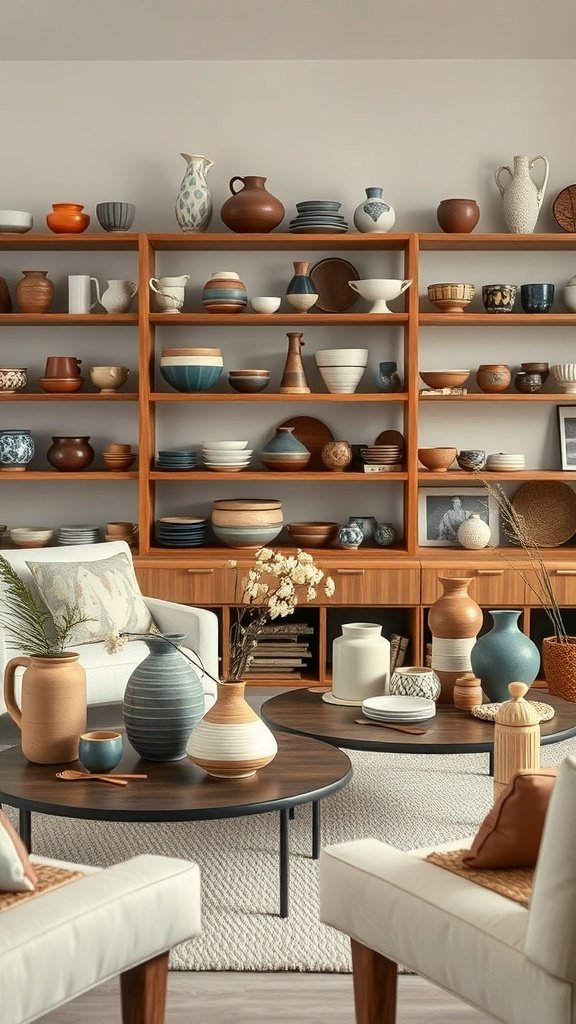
[79,293]
[169,292]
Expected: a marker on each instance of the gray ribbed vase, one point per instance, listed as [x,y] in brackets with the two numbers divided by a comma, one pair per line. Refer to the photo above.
[163,702]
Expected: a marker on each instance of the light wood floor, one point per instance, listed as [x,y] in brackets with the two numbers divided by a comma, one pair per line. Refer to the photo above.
[229,998]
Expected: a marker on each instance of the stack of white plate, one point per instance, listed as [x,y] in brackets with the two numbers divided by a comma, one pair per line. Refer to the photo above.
[226,456]
[398,709]
[382,455]
[79,535]
[506,462]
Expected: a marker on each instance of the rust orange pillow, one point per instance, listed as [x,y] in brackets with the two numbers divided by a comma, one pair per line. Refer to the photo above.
[16,871]
[509,836]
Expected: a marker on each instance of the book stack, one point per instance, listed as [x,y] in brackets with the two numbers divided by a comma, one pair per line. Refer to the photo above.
[280,653]
[398,648]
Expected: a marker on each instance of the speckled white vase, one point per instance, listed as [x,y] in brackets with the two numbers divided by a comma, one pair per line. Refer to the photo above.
[231,741]
[474,533]
[521,197]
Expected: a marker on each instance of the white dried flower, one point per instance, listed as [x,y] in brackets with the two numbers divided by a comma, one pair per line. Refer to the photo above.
[232,563]
[115,642]
[264,555]
[311,594]
[329,587]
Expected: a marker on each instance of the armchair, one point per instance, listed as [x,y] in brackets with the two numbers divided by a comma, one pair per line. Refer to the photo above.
[107,674]
[517,965]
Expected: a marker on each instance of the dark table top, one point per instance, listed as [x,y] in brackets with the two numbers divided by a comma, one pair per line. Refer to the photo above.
[303,770]
[304,713]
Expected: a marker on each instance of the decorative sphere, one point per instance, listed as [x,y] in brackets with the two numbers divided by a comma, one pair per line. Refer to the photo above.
[336,455]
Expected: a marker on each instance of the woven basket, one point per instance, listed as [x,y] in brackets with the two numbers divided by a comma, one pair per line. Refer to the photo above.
[559,661]
[549,511]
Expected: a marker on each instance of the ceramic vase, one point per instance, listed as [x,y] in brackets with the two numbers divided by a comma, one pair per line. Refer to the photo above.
[367,524]
[559,661]
[467,692]
[336,456]
[504,655]
[16,450]
[350,535]
[474,533]
[194,202]
[163,701]
[67,218]
[231,741]
[284,452]
[385,534]
[252,207]
[568,295]
[70,454]
[521,197]
[374,214]
[301,293]
[293,378]
[454,621]
[52,713]
[118,296]
[34,292]
[224,293]
[387,379]
[360,662]
[415,681]
[458,215]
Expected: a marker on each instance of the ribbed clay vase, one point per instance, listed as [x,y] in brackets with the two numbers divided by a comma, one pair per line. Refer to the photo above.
[252,207]
[231,741]
[454,620]
[52,714]
[34,293]
[163,701]
[504,655]
[559,661]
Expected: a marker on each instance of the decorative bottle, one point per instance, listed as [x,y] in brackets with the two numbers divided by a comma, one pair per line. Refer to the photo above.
[521,197]
[454,621]
[294,379]
[231,741]
[374,214]
[252,207]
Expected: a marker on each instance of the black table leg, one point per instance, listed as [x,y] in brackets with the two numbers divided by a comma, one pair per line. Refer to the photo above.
[292,813]
[316,829]
[284,860]
[25,828]
[491,763]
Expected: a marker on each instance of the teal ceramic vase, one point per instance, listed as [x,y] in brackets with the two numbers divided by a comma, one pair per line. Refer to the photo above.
[504,655]
[301,293]
[163,702]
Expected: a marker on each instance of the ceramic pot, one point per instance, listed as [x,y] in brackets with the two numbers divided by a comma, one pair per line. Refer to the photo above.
[284,452]
[34,292]
[231,741]
[13,379]
[387,379]
[118,295]
[474,533]
[100,751]
[252,207]
[5,300]
[62,367]
[360,662]
[301,293]
[467,692]
[194,202]
[350,536]
[499,298]
[109,378]
[504,655]
[559,661]
[70,454]
[458,216]
[542,369]
[67,218]
[52,714]
[115,216]
[537,298]
[367,524]
[294,378]
[385,534]
[528,383]
[374,214]
[568,295]
[163,701]
[336,456]
[415,681]
[521,197]
[493,377]
[454,621]
[16,450]
[224,293]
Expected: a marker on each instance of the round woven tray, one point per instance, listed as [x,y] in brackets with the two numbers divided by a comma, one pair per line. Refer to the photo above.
[549,511]
[487,712]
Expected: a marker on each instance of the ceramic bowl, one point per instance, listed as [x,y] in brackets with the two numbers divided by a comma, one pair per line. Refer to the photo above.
[100,751]
[450,296]
[118,463]
[313,535]
[115,216]
[60,385]
[498,298]
[13,379]
[189,378]
[445,378]
[342,357]
[233,446]
[246,536]
[247,384]
[342,380]
[471,459]
[542,368]
[437,460]
[565,375]
[109,378]
[31,536]
[265,303]
[16,221]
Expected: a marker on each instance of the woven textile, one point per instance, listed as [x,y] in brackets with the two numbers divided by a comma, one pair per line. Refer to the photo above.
[513,883]
[48,878]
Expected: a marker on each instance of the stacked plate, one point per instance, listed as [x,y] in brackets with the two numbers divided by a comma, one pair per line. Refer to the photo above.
[226,456]
[176,459]
[389,455]
[506,462]
[181,531]
[400,710]
[318,215]
[79,535]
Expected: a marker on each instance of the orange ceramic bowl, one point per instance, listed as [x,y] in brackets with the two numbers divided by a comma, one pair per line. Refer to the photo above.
[437,460]
[67,218]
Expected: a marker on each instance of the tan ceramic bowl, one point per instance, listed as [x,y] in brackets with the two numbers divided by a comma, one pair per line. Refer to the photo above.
[445,378]
[451,297]
[109,378]
[437,460]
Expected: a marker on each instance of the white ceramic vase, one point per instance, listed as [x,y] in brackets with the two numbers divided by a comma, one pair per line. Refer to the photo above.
[521,197]
[194,202]
[374,214]
[231,741]
[569,295]
[474,533]
[360,662]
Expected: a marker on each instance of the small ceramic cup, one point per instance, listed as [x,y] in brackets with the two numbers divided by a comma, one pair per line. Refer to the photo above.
[498,298]
[265,303]
[100,751]
[471,459]
[537,298]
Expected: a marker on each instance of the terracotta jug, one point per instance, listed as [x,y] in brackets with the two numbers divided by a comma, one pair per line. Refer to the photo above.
[34,293]
[231,741]
[294,379]
[53,706]
[251,208]
[454,621]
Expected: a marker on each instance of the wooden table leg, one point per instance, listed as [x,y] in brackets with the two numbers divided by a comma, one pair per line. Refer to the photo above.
[143,992]
[375,982]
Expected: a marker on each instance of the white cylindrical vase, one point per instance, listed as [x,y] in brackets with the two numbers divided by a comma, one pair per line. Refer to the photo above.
[360,662]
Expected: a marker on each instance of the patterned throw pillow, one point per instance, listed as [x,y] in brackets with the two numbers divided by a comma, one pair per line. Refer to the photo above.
[16,871]
[106,590]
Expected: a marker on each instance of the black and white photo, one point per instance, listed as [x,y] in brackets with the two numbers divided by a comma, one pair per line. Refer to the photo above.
[567,426]
[441,511]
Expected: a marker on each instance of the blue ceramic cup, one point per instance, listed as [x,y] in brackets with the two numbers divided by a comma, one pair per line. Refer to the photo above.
[537,298]
[100,751]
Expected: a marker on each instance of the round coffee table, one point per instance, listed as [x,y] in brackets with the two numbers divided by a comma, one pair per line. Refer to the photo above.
[451,731]
[304,771]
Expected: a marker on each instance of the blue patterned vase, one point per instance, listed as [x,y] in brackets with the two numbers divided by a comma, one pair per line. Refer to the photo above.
[374,213]
[16,449]
[163,702]
[194,202]
[350,535]
[504,655]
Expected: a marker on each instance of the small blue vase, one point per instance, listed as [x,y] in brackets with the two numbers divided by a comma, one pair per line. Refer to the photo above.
[350,535]
[504,655]
[16,449]
[301,293]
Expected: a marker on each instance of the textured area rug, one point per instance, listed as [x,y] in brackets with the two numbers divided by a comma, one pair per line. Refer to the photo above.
[404,800]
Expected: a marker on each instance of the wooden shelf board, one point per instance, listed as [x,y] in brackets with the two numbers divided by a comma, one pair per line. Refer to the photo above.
[305,476]
[69,319]
[497,320]
[438,556]
[502,397]
[439,241]
[332,553]
[452,475]
[54,474]
[272,396]
[276,240]
[79,396]
[123,240]
[278,319]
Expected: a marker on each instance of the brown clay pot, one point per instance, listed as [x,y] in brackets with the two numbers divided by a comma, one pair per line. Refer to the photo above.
[493,377]
[251,208]
[53,707]
[70,454]
[454,620]
[458,215]
[559,661]
[5,300]
[34,292]
[67,218]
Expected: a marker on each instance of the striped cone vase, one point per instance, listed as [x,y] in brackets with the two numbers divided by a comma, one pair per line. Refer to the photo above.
[454,620]
[231,741]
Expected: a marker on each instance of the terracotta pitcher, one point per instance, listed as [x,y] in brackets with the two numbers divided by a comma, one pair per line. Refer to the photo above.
[53,711]
[251,208]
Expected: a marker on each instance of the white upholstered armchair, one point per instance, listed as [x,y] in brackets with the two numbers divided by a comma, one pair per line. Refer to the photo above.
[517,965]
[107,674]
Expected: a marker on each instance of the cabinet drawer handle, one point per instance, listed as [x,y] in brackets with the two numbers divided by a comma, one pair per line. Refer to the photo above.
[489,572]
[565,572]
[350,572]
[200,572]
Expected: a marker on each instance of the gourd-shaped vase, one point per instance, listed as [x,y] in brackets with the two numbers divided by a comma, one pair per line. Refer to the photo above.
[294,379]
[252,207]
[301,293]
[521,197]
[454,621]
[194,202]
[231,741]
[360,662]
[374,214]
[504,655]
[163,701]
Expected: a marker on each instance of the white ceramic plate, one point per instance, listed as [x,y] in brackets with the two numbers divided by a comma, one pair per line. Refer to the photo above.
[331,699]
[398,704]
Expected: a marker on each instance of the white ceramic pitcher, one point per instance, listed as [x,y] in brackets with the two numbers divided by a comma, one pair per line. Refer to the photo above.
[521,197]
[79,296]
[118,296]
[169,292]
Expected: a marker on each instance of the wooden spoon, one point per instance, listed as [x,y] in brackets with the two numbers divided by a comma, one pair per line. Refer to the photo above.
[73,776]
[396,728]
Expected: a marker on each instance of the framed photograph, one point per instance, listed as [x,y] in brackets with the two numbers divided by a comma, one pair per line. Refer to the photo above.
[441,510]
[567,427]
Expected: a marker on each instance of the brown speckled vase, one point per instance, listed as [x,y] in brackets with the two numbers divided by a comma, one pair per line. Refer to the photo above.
[454,621]
[70,454]
[35,292]
[231,741]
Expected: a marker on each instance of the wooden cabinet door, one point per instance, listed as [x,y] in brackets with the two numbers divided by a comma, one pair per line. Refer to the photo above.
[563,580]
[200,585]
[375,586]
